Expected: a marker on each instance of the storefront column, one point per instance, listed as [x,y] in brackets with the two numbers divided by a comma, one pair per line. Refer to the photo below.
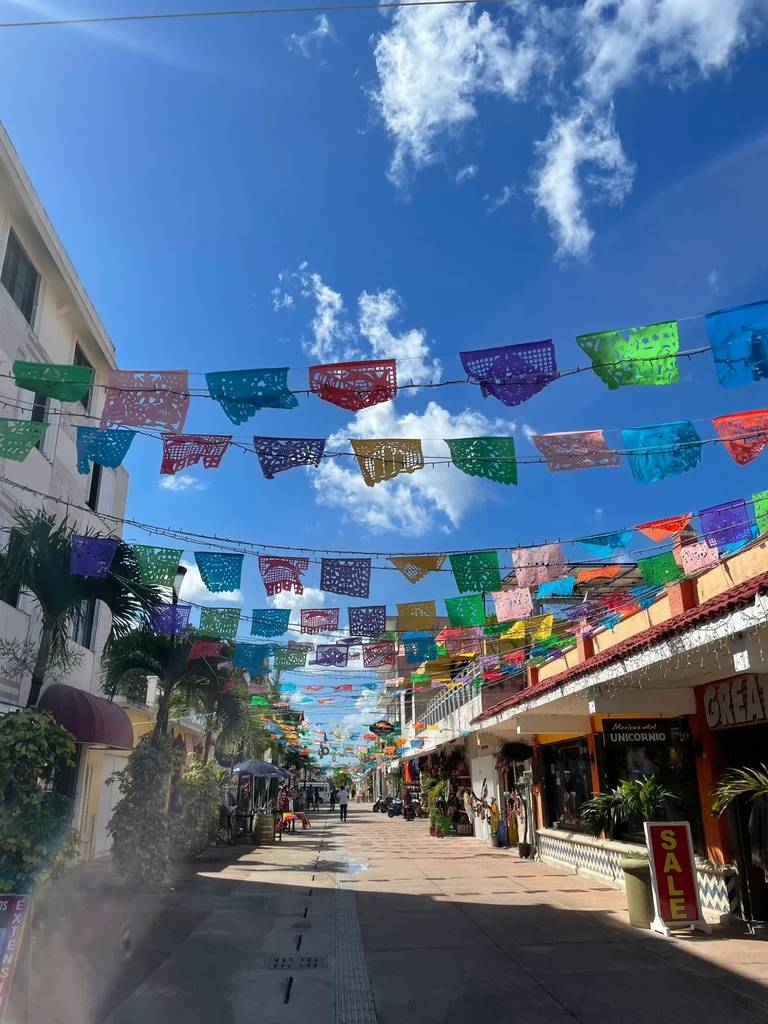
[716,835]
[592,744]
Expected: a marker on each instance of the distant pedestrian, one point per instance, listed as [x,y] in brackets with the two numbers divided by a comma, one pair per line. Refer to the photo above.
[343,801]
[333,799]
[316,798]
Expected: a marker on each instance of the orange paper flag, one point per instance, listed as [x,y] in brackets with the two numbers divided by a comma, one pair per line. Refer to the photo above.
[608,571]
[660,529]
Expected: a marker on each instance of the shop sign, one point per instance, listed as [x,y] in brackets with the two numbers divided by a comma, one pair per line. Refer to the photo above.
[623,732]
[673,877]
[13,913]
[739,701]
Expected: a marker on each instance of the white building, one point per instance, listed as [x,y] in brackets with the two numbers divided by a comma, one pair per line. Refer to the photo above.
[46,316]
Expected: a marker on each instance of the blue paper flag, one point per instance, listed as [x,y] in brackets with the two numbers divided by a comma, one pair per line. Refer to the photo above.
[219,572]
[645,596]
[559,588]
[739,340]
[107,447]
[662,450]
[737,545]
[270,621]
[419,646]
[610,621]
[252,658]
[602,547]
[241,393]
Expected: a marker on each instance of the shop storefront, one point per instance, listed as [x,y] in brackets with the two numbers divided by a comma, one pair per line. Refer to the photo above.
[567,766]
[733,724]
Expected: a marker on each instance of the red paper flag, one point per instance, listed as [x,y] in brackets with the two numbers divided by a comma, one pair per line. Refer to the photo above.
[344,688]
[660,529]
[744,434]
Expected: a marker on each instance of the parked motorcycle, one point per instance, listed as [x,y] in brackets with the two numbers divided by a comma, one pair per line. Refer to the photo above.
[395,808]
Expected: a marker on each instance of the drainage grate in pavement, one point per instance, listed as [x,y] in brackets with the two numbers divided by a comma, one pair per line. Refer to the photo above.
[295,963]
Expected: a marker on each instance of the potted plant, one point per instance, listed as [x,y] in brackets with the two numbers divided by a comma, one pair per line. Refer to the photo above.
[752,784]
[436,823]
[607,812]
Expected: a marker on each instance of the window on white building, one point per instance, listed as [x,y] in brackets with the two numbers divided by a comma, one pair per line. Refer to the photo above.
[82,623]
[80,359]
[92,501]
[20,279]
[39,414]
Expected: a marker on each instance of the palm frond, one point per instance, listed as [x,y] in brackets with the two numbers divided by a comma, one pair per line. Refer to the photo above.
[736,782]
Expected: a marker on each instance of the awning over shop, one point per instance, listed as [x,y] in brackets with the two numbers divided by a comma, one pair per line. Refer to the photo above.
[90,719]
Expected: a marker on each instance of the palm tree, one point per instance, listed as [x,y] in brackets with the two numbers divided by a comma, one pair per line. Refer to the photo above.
[226,709]
[131,659]
[37,560]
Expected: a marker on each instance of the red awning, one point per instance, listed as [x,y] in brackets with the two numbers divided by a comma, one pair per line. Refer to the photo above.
[90,719]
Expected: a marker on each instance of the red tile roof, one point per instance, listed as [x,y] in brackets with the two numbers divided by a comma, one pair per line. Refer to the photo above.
[729,601]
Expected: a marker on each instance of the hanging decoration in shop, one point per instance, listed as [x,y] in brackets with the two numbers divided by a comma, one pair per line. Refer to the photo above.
[319,620]
[223,622]
[183,450]
[270,621]
[219,572]
[19,437]
[279,573]
[370,620]
[489,457]
[476,570]
[556,588]
[91,556]
[385,459]
[416,615]
[331,655]
[538,564]
[157,566]
[419,645]
[170,619]
[605,545]
[205,649]
[355,385]
[744,434]
[276,454]
[379,654]
[416,567]
[62,381]
[659,569]
[726,524]
[468,610]
[107,447]
[349,576]
[512,604]
[512,373]
[738,338]
[642,355]
[578,449]
[662,450]
[146,398]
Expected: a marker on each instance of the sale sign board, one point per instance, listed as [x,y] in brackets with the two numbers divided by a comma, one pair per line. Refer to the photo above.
[673,876]
[13,913]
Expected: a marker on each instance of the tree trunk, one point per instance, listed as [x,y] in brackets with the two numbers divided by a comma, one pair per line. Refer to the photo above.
[207,746]
[163,706]
[41,666]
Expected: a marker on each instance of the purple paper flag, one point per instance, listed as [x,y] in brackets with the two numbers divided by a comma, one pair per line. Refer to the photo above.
[331,654]
[91,556]
[370,620]
[726,524]
[512,373]
[350,576]
[170,619]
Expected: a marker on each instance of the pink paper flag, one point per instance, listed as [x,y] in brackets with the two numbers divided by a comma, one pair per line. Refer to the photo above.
[580,449]
[512,605]
[146,398]
[538,565]
[695,557]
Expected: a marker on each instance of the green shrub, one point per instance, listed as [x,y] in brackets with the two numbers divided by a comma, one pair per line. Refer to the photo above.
[139,822]
[196,827]
[36,841]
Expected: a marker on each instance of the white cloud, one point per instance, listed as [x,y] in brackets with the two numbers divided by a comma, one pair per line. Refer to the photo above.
[434,64]
[713,278]
[310,598]
[182,482]
[333,335]
[312,40]
[466,174]
[507,195]
[195,591]
[410,349]
[411,504]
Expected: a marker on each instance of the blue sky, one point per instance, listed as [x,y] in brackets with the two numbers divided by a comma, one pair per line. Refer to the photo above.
[611,159]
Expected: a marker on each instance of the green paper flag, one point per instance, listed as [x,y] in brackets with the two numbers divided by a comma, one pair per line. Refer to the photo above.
[419,677]
[157,566]
[291,656]
[642,355]
[19,437]
[490,457]
[478,570]
[659,569]
[62,381]
[257,701]
[220,622]
[466,611]
[496,629]
[761,510]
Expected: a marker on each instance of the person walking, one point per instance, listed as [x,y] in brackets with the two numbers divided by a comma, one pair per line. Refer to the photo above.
[333,799]
[316,796]
[343,801]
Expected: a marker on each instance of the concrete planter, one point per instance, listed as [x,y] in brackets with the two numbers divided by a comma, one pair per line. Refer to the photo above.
[637,883]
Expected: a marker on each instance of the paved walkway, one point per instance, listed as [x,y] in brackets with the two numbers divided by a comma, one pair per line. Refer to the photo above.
[374,922]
